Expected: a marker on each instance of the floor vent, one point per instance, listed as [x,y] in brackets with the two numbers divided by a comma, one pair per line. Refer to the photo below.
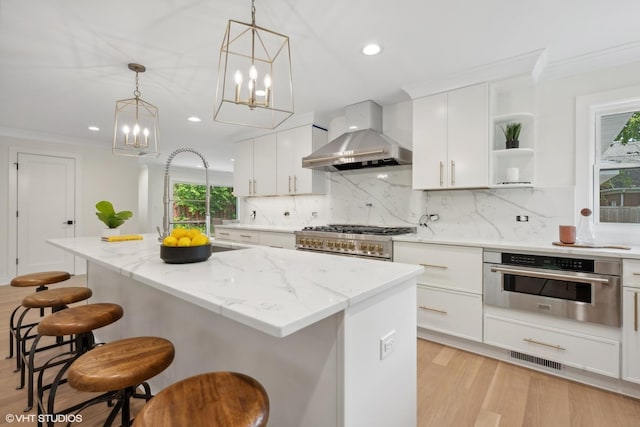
[536,360]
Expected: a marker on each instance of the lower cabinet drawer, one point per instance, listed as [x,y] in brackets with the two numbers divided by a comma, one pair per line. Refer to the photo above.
[242,236]
[450,312]
[580,351]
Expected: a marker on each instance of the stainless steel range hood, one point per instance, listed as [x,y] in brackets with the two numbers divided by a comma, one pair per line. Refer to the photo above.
[363,147]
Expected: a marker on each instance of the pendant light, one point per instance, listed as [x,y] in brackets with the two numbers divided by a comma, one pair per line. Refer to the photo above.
[136,124]
[254,76]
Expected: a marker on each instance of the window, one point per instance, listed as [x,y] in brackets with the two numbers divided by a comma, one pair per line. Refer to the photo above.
[617,166]
[189,205]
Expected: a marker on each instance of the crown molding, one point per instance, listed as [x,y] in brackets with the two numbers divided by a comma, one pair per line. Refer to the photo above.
[532,63]
[592,61]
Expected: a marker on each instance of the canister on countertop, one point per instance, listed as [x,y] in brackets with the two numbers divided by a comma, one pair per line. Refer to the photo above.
[585,233]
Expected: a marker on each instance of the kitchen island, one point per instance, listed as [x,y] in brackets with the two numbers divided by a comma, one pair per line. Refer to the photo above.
[332,339]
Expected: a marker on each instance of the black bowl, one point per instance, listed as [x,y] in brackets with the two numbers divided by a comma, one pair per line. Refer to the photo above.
[184,254]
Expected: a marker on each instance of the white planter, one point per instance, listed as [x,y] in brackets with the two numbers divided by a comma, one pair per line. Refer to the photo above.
[108,232]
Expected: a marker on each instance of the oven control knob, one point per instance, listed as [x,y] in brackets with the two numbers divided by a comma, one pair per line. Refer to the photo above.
[314,242]
[379,248]
[344,245]
[330,243]
[352,246]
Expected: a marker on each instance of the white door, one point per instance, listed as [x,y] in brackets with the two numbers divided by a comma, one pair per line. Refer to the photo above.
[45,201]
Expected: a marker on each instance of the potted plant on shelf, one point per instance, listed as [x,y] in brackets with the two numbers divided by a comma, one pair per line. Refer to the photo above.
[112,219]
[511,134]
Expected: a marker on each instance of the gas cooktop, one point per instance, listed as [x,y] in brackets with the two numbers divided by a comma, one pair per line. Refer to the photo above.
[361,229]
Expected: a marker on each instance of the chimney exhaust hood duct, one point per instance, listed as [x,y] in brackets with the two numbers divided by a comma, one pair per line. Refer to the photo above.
[364,146]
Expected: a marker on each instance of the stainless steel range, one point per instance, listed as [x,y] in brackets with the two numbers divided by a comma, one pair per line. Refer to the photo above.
[362,241]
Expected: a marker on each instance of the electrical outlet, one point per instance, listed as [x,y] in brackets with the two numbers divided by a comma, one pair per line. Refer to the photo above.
[387,344]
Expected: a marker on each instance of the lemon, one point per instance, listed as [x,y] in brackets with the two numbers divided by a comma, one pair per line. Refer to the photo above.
[170,241]
[193,233]
[178,233]
[199,240]
[184,241]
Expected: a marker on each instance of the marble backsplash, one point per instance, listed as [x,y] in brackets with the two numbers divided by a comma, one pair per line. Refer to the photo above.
[385,197]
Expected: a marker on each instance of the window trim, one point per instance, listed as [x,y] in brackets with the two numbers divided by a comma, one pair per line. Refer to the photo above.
[587,109]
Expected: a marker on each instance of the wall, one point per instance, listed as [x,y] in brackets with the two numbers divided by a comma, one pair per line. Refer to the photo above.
[370,198]
[100,176]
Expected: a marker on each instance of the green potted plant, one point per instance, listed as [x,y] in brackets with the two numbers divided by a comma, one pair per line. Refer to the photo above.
[511,134]
[112,219]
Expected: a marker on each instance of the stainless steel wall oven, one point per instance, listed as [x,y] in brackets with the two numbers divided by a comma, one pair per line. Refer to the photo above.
[583,289]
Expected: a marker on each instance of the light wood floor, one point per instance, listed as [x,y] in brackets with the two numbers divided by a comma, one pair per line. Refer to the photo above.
[455,388]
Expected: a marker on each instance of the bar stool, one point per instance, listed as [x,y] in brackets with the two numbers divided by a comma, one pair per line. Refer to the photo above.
[78,321]
[40,280]
[117,369]
[215,399]
[56,299]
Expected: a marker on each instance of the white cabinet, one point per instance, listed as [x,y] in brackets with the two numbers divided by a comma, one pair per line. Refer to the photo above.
[451,139]
[292,146]
[631,334]
[631,320]
[449,290]
[254,171]
[588,352]
[237,235]
[275,239]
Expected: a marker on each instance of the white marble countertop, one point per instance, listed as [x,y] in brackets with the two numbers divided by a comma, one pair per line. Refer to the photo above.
[260,227]
[277,291]
[531,246]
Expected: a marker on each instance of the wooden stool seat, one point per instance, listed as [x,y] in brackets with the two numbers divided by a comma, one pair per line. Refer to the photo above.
[80,320]
[120,364]
[58,297]
[224,399]
[40,279]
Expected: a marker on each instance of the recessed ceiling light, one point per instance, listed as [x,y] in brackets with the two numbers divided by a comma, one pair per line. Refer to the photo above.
[371,49]
[194,119]
[94,128]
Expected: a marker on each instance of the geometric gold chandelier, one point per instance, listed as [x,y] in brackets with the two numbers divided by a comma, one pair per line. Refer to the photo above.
[254,76]
[136,124]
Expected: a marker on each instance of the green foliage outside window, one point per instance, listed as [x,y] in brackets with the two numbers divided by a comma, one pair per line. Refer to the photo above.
[189,204]
[631,131]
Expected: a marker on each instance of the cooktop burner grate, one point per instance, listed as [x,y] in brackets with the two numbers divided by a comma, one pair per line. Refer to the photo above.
[362,229]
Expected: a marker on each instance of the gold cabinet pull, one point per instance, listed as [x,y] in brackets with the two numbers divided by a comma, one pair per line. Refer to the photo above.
[441,267]
[255,186]
[295,184]
[289,183]
[557,347]
[245,236]
[635,273]
[441,174]
[635,311]
[453,173]
[249,186]
[435,310]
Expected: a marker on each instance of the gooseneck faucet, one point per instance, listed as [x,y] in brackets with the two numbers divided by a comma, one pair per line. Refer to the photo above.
[166,196]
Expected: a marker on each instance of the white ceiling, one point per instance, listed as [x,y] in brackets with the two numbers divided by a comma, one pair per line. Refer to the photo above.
[63,63]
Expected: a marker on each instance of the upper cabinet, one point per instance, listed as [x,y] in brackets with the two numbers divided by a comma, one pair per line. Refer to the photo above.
[293,145]
[451,139]
[272,164]
[254,171]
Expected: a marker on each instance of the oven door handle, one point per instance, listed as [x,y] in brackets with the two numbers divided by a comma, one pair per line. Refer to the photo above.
[545,275]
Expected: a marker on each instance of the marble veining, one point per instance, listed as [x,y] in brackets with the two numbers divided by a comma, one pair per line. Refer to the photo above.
[384,196]
[276,291]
